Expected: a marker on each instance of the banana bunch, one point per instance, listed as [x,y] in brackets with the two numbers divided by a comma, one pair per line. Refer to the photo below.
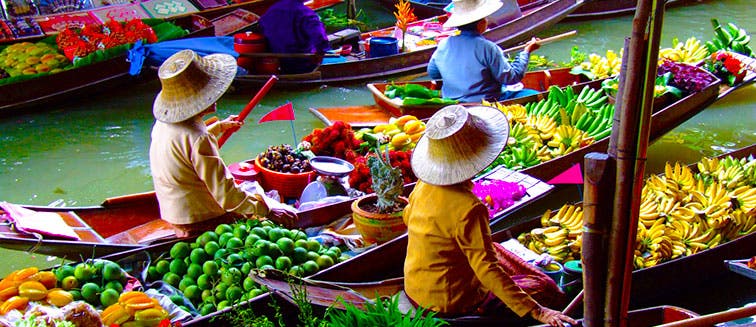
[515,112]
[602,67]
[402,133]
[523,135]
[729,37]
[568,139]
[691,52]
[560,236]
[134,309]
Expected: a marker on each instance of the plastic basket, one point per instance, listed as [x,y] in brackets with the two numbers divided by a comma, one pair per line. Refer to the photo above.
[288,185]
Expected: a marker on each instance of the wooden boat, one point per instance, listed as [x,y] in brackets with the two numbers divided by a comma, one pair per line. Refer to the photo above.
[602,9]
[15,97]
[133,222]
[384,108]
[353,68]
[385,261]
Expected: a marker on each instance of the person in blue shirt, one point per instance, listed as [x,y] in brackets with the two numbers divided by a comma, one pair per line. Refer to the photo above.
[291,27]
[472,67]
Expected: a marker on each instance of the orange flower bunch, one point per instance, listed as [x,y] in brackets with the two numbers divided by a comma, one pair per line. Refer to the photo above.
[404,15]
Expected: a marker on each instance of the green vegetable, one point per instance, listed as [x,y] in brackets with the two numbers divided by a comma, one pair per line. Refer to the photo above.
[410,90]
[412,101]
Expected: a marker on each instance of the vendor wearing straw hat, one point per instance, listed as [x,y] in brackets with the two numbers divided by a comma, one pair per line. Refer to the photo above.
[472,67]
[451,267]
[195,189]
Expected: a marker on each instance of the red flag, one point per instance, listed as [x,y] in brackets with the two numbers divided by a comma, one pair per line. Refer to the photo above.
[284,112]
[573,175]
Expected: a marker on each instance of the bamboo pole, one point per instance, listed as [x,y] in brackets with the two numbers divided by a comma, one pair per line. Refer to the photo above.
[597,214]
[634,109]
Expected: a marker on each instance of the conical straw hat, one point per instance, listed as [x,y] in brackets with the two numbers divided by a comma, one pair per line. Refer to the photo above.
[191,84]
[458,143]
[469,11]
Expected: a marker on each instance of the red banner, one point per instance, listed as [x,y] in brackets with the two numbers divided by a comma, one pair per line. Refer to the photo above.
[284,112]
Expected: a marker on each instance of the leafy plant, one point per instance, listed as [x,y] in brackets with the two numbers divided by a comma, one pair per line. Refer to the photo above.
[382,313]
[334,21]
[387,180]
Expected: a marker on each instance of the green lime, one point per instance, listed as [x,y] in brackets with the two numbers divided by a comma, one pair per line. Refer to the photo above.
[194,270]
[299,255]
[207,309]
[300,235]
[223,304]
[253,293]
[115,285]
[69,283]
[63,272]
[241,231]
[223,238]
[268,223]
[246,268]
[261,247]
[186,281]
[220,291]
[231,276]
[180,250]
[333,254]
[343,257]
[286,245]
[220,254]
[234,293]
[274,251]
[223,228]
[250,240]
[296,271]
[313,245]
[260,232]
[204,282]
[263,260]
[98,264]
[301,243]
[283,263]
[235,259]
[178,267]
[163,266]
[207,296]
[177,299]
[152,273]
[312,255]
[252,223]
[108,297]
[324,261]
[199,256]
[234,243]
[83,272]
[288,233]
[275,233]
[249,283]
[193,293]
[310,267]
[76,295]
[335,249]
[112,271]
[172,279]
[206,237]
[210,268]
[211,247]
[90,292]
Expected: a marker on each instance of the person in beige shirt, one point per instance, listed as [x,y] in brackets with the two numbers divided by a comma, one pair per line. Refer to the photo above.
[194,188]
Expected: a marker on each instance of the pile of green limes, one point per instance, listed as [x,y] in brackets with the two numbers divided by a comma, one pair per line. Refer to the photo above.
[213,271]
[96,281]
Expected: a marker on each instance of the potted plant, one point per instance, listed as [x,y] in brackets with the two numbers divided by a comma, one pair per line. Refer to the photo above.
[378,216]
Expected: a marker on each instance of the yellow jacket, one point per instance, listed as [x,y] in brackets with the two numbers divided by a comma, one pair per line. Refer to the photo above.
[451,264]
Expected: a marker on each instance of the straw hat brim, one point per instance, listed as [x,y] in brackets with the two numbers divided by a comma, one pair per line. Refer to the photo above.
[434,165]
[181,103]
[459,18]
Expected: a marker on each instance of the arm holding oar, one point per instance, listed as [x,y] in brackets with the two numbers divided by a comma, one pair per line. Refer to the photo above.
[542,41]
[238,121]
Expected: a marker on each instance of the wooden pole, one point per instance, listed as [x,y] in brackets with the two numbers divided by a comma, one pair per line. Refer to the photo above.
[634,107]
[248,108]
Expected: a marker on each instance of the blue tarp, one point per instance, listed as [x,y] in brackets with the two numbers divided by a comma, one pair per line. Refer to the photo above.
[154,54]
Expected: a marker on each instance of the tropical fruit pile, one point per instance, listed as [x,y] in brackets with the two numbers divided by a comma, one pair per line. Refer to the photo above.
[98,282]
[26,58]
[562,123]
[30,284]
[285,159]
[682,212]
[213,270]
[136,309]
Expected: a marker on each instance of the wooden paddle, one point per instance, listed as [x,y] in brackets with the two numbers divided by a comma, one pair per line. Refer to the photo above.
[248,108]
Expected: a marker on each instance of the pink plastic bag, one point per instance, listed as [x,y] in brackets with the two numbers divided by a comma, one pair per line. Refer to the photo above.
[45,223]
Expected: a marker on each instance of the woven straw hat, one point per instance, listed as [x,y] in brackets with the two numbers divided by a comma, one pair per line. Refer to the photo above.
[191,84]
[468,11]
[458,143]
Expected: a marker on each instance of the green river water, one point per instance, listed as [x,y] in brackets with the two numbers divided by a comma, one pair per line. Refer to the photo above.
[79,152]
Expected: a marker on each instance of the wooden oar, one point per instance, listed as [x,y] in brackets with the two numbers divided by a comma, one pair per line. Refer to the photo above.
[714,318]
[248,108]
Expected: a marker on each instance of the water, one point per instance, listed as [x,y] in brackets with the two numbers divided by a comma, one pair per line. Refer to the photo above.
[85,150]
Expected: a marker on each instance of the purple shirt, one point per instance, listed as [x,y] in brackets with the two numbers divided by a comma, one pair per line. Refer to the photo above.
[291,27]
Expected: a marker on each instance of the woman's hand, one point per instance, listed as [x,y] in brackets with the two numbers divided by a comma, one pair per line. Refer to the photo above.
[283,216]
[532,45]
[229,123]
[551,317]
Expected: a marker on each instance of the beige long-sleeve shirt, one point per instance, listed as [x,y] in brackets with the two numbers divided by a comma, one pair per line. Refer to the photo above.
[191,180]
[451,264]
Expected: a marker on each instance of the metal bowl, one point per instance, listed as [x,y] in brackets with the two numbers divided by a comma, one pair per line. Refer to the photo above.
[331,166]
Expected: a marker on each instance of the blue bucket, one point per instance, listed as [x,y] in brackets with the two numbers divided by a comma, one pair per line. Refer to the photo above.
[382,46]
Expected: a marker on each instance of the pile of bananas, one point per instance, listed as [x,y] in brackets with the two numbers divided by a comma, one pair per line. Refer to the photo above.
[555,126]
[681,213]
[134,309]
[729,37]
[691,52]
[401,133]
[598,67]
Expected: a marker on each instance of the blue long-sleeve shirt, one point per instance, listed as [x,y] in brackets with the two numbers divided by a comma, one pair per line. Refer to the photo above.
[291,27]
[473,68]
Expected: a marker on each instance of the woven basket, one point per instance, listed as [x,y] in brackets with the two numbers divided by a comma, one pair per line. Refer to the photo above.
[288,185]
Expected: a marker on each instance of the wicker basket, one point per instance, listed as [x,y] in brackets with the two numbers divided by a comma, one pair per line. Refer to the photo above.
[288,185]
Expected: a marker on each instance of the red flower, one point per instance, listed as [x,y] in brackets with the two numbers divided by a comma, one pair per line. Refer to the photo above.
[733,65]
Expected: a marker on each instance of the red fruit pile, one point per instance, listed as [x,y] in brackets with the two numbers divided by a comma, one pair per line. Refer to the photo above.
[77,42]
[361,179]
[336,140]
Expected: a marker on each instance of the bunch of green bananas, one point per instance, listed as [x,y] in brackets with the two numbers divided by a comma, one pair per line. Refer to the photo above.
[729,37]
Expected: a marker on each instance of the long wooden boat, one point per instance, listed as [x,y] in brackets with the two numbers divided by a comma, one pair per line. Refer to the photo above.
[386,260]
[353,68]
[602,9]
[384,108]
[100,76]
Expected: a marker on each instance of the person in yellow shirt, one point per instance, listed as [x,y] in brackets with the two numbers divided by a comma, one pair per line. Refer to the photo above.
[451,266]
[194,188]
